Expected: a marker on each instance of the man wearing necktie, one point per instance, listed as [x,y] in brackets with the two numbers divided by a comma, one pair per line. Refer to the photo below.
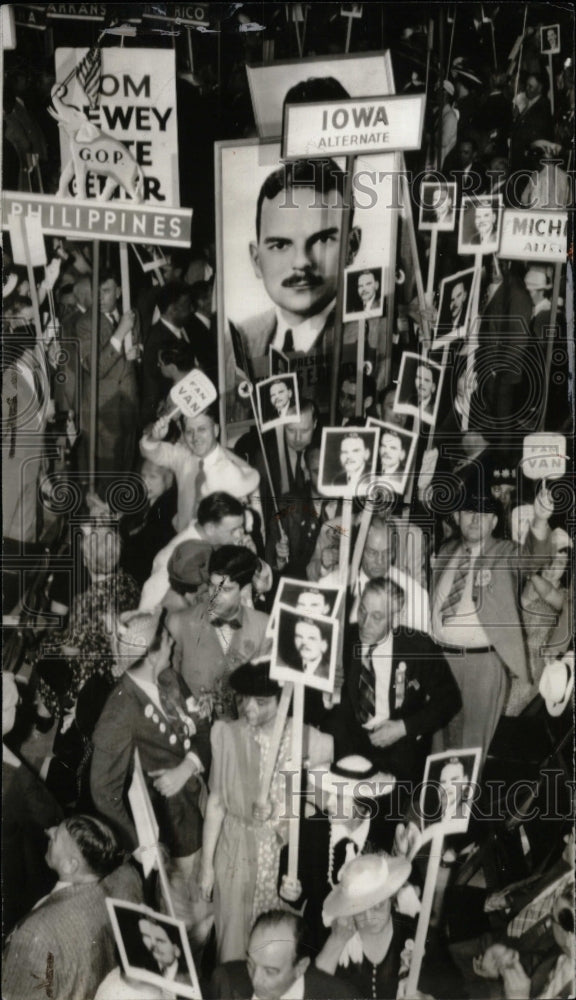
[117,402]
[475,617]
[398,688]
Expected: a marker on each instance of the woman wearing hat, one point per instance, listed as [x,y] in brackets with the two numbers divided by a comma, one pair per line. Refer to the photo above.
[334,833]
[149,711]
[241,844]
[367,939]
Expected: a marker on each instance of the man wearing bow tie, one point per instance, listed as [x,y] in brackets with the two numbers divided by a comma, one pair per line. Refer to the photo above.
[220,632]
[117,400]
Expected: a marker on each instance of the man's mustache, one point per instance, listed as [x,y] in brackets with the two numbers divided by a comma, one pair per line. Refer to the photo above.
[306,278]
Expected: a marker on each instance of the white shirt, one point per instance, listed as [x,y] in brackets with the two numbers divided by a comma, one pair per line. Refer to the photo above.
[305,334]
[464,627]
[382,663]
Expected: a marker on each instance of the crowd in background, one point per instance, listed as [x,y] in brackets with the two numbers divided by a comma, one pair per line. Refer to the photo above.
[137,602]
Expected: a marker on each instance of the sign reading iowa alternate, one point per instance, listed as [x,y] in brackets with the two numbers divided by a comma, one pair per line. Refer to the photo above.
[540,235]
[365,125]
[116,221]
[136,107]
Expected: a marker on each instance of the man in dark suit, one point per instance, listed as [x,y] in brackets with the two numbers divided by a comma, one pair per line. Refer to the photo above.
[66,942]
[277,966]
[398,690]
[174,302]
[534,122]
[201,328]
[117,413]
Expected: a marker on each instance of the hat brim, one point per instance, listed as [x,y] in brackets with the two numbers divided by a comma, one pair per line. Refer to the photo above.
[340,904]
[374,787]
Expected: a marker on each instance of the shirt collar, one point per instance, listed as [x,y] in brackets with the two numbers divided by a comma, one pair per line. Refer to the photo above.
[212,457]
[304,333]
[176,330]
[541,306]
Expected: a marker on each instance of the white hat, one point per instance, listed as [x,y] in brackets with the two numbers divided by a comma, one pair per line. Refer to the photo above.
[557,683]
[352,777]
[364,882]
[238,480]
[132,638]
[449,87]
[537,277]
[550,148]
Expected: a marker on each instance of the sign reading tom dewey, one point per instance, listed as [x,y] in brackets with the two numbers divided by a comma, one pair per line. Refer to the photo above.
[117,221]
[362,125]
[534,235]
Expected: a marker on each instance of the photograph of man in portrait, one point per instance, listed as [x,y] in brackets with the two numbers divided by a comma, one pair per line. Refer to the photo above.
[480,224]
[437,206]
[304,649]
[278,401]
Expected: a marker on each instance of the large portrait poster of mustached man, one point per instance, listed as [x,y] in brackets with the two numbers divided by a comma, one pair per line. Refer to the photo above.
[278,250]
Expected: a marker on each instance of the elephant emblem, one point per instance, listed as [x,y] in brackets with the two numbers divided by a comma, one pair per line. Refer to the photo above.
[94,151]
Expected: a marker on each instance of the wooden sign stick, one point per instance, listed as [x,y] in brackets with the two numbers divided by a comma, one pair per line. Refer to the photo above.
[277,733]
[472,334]
[436,850]
[551,75]
[31,282]
[164,883]
[248,391]
[432,267]
[550,343]
[338,320]
[345,542]
[348,36]
[294,821]
[406,205]
[94,361]
[360,542]
[284,482]
[362,332]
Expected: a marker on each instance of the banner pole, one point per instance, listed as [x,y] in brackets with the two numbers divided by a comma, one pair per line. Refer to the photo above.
[362,331]
[94,361]
[425,911]
[338,322]
[550,344]
[296,764]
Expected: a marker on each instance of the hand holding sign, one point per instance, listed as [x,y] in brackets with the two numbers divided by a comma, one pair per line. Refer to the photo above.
[191,395]
[544,456]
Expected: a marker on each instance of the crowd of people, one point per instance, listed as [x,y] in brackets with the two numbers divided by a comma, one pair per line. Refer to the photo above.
[146,550]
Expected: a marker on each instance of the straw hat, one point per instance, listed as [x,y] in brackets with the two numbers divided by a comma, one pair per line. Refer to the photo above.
[352,777]
[133,636]
[550,148]
[557,683]
[537,278]
[365,881]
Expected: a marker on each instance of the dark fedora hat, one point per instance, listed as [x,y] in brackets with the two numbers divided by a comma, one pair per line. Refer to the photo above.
[253,679]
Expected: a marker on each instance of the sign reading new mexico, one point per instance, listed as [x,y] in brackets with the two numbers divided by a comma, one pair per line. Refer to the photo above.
[137,106]
[364,125]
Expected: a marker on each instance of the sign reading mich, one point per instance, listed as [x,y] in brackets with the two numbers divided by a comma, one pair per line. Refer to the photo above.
[351,127]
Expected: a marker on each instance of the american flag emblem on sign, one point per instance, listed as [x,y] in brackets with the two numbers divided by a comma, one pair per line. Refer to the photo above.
[89,73]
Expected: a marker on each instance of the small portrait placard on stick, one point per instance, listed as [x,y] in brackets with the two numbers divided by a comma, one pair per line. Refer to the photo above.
[447,789]
[454,307]
[348,457]
[437,206]
[480,224]
[550,40]
[154,948]
[419,387]
[396,449]
[307,598]
[304,649]
[278,401]
[363,293]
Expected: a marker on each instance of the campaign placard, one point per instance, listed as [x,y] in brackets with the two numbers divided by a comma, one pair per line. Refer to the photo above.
[534,235]
[136,110]
[351,127]
[115,221]
[544,456]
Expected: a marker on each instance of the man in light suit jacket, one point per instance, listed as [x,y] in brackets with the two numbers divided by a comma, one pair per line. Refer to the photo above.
[220,632]
[398,688]
[65,946]
[475,615]
[117,413]
[279,966]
